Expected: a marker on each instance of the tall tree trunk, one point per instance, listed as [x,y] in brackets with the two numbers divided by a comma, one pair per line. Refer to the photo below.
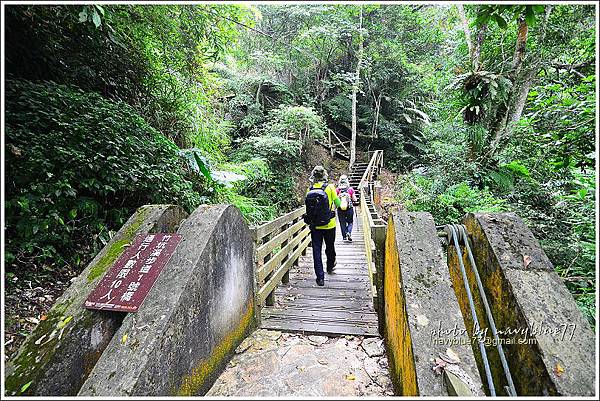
[477,49]
[512,114]
[509,115]
[355,91]
[465,22]
[474,47]
[376,119]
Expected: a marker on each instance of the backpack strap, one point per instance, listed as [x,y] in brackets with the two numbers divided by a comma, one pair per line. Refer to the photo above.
[324,188]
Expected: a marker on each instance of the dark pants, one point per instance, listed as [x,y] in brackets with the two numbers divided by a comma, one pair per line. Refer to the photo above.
[317,237]
[346,218]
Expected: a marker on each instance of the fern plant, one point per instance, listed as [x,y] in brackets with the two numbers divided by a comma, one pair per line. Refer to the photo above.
[480,90]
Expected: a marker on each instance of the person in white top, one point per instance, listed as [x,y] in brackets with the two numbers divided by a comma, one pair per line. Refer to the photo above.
[346,210]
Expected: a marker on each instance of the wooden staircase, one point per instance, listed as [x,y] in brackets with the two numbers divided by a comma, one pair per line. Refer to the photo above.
[356,173]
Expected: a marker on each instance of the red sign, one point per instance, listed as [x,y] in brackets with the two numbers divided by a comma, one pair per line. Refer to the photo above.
[125,286]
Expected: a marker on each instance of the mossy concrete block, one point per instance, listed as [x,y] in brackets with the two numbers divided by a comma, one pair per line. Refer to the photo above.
[549,344]
[62,350]
[422,315]
[199,310]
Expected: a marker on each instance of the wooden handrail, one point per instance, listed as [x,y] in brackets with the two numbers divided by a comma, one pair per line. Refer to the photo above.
[265,229]
[278,246]
[376,160]
[339,141]
[366,223]
[372,225]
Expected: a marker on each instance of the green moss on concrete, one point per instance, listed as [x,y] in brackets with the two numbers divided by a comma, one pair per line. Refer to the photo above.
[44,341]
[117,247]
[198,379]
[38,349]
[112,254]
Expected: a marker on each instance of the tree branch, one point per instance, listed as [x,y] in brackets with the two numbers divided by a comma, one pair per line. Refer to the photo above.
[569,67]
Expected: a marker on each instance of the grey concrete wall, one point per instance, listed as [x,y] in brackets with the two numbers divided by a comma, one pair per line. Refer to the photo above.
[199,310]
[422,316]
[551,350]
[62,350]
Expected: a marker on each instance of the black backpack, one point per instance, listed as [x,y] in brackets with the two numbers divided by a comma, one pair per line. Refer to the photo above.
[318,212]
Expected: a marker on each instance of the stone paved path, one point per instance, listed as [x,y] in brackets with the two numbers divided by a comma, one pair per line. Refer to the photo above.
[272,363]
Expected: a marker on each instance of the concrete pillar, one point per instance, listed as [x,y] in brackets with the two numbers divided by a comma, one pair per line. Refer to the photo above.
[548,343]
[199,310]
[422,316]
[61,351]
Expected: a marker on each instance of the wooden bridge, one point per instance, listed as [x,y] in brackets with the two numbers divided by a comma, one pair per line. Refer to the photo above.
[288,296]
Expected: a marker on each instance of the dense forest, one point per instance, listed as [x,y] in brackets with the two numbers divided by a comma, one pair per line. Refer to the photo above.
[107,108]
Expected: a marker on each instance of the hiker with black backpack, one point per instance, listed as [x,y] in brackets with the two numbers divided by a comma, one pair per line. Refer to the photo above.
[346,210]
[320,217]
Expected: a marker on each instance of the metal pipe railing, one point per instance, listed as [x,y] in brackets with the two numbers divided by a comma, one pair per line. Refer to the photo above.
[456,232]
[486,362]
[488,312]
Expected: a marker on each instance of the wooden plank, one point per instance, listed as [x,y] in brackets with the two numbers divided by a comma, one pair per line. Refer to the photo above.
[271,264]
[309,303]
[270,285]
[357,322]
[341,277]
[323,315]
[267,228]
[346,264]
[336,276]
[319,328]
[338,285]
[342,274]
[327,293]
[278,239]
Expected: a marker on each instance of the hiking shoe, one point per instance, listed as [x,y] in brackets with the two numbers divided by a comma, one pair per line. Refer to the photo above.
[320,282]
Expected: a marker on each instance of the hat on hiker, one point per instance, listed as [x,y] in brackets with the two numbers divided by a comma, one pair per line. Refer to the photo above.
[343,182]
[318,174]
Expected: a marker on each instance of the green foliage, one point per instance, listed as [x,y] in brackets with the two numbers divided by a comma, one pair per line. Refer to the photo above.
[253,210]
[151,56]
[564,115]
[282,155]
[260,195]
[500,14]
[479,92]
[339,109]
[587,304]
[196,161]
[516,168]
[295,122]
[449,205]
[78,165]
